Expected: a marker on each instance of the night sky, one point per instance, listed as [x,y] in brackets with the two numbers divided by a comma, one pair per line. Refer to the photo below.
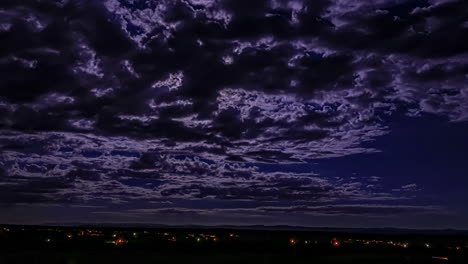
[343,113]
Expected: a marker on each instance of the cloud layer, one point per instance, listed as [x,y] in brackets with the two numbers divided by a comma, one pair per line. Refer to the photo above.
[124,101]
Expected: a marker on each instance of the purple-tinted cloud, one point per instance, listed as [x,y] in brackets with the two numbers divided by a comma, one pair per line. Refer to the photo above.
[124,101]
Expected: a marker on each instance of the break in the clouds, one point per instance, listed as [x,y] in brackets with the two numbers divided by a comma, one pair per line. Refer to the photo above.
[146,102]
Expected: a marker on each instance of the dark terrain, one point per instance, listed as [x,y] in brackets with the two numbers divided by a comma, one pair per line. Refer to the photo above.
[74,245]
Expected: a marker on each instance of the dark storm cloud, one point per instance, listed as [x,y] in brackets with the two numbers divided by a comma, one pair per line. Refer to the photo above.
[19,189]
[96,95]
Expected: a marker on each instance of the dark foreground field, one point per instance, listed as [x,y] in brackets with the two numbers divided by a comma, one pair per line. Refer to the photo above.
[80,245]
[138,256]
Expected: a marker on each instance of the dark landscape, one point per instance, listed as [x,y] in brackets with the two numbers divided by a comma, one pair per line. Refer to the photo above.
[49,244]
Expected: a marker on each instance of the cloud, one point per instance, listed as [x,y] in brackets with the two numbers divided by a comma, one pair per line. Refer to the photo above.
[191,93]
[409,186]
[116,169]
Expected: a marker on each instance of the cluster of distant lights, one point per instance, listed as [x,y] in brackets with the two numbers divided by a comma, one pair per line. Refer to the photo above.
[337,243]
[119,240]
